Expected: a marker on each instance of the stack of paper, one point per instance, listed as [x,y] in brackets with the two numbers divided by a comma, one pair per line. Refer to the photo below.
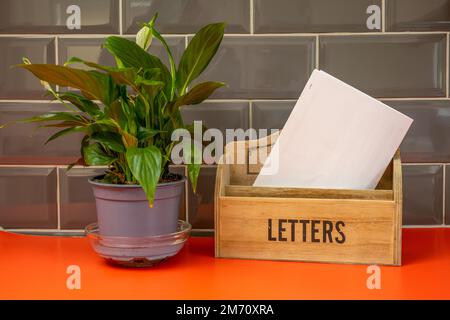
[336,137]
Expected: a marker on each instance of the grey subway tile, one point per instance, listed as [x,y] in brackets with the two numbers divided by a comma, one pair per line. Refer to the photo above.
[388,65]
[187,16]
[28,198]
[428,139]
[262,67]
[16,83]
[201,203]
[77,204]
[314,15]
[422,194]
[270,114]
[24,143]
[447,194]
[218,115]
[417,15]
[90,49]
[57,16]
[222,116]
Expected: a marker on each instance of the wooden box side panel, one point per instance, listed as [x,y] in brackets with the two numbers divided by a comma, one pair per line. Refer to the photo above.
[398,199]
[222,179]
[365,235]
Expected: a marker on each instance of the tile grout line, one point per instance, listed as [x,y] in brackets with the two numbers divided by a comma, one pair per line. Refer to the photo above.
[120,18]
[81,232]
[443,98]
[85,36]
[61,166]
[250,113]
[26,101]
[186,194]
[57,50]
[56,60]
[252,17]
[317,53]
[443,192]
[58,199]
[446,65]
[423,163]
[174,35]
[383,16]
[425,226]
[35,166]
[64,166]
[414,98]
[312,34]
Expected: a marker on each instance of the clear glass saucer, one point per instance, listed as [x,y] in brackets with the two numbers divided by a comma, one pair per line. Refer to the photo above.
[138,251]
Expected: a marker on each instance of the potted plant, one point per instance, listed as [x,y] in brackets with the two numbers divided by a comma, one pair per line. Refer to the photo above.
[127,114]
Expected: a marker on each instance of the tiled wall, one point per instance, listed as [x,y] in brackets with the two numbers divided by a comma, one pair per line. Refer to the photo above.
[269,50]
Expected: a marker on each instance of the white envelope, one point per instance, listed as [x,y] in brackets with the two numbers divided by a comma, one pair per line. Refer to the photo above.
[336,137]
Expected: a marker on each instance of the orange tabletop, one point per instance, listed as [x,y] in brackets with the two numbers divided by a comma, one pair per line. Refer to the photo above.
[35,267]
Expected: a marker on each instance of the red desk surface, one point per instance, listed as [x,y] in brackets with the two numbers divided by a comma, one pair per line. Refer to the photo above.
[34,267]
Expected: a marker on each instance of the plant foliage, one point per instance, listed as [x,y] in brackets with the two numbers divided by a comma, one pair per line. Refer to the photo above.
[127,113]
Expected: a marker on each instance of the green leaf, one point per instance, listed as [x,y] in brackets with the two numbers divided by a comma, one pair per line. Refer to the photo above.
[193,160]
[151,74]
[83,104]
[148,82]
[173,70]
[45,84]
[63,124]
[129,140]
[94,155]
[198,54]
[131,55]
[115,112]
[193,173]
[64,132]
[57,116]
[144,133]
[119,75]
[95,65]
[145,164]
[109,124]
[111,140]
[152,87]
[199,93]
[93,85]
[73,60]
[123,76]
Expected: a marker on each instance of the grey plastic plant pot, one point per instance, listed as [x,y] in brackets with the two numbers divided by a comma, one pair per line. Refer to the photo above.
[124,211]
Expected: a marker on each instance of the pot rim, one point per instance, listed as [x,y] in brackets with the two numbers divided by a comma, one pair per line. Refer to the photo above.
[183,230]
[111,185]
